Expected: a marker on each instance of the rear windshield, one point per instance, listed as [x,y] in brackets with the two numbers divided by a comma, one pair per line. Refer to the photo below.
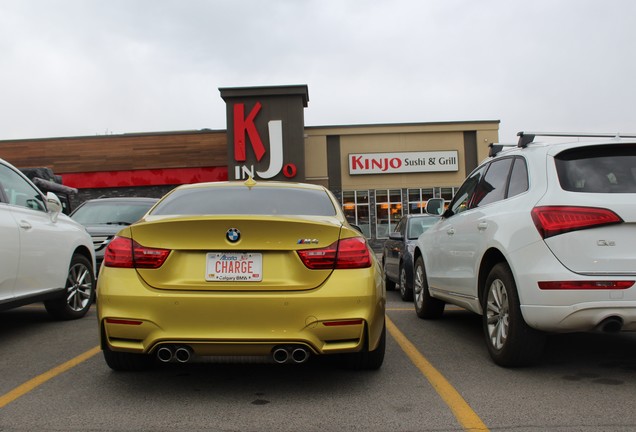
[241,200]
[110,212]
[598,169]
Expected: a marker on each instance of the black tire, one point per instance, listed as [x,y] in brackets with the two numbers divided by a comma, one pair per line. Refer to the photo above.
[126,362]
[406,293]
[510,341]
[79,294]
[365,359]
[390,285]
[426,307]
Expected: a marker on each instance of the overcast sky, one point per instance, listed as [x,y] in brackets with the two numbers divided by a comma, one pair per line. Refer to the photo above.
[90,67]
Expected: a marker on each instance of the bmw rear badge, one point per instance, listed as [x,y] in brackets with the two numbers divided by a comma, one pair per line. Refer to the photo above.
[233,235]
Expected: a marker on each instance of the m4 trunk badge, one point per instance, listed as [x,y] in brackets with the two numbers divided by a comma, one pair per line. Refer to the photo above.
[233,235]
[307,241]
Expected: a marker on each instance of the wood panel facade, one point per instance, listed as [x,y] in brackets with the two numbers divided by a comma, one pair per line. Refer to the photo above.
[183,149]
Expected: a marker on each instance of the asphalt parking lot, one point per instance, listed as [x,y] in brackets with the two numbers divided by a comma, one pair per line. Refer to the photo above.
[437,376]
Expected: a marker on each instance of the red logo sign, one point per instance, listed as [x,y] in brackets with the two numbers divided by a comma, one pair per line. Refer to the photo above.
[245,126]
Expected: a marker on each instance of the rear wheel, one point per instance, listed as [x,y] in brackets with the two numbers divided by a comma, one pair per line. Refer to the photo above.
[426,307]
[365,359]
[510,341]
[405,292]
[79,293]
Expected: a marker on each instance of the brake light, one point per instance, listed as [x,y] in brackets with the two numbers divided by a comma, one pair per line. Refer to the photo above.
[347,253]
[554,220]
[585,285]
[127,253]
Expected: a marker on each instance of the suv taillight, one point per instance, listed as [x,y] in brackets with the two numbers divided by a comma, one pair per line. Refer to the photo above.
[554,220]
[127,253]
[347,253]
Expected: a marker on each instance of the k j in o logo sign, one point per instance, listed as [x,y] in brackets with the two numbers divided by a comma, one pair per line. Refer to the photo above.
[266,132]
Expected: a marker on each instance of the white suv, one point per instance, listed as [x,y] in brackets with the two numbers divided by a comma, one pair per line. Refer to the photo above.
[44,255]
[539,238]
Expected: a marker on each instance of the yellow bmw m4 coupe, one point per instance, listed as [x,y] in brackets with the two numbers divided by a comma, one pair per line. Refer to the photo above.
[268,269]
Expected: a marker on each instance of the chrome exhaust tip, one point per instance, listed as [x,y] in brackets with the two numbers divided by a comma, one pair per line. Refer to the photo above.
[280,355]
[300,355]
[165,354]
[183,354]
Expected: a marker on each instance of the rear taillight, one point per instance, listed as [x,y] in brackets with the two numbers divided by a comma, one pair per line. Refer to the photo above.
[347,253]
[585,285]
[554,220]
[127,253]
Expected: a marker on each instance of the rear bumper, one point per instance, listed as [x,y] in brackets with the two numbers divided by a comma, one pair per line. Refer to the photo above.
[333,318]
[567,310]
[580,317]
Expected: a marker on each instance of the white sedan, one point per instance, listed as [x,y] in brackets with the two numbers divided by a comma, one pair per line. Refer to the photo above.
[44,255]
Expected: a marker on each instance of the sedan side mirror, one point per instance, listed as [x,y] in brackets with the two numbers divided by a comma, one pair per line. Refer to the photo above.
[357,228]
[395,235]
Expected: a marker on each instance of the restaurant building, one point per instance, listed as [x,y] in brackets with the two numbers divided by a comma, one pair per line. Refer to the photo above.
[379,172]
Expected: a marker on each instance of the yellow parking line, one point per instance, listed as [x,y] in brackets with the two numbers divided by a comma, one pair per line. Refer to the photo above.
[469,420]
[23,389]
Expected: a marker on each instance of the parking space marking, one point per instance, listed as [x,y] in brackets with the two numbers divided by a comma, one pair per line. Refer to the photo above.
[23,389]
[464,414]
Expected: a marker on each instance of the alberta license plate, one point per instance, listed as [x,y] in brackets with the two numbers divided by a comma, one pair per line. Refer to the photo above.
[234,267]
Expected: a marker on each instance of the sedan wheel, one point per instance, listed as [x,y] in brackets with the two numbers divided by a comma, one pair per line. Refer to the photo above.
[426,307]
[390,285]
[405,292]
[510,341]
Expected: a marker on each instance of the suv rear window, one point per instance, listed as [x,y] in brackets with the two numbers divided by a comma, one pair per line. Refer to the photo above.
[241,200]
[598,169]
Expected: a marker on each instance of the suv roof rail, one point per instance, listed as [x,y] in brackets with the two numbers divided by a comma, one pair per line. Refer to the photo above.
[526,138]
[495,148]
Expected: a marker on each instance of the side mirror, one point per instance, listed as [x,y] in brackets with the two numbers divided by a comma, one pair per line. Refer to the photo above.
[395,236]
[435,206]
[53,205]
[356,227]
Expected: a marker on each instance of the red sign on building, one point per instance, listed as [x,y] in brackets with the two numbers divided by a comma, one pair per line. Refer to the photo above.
[266,132]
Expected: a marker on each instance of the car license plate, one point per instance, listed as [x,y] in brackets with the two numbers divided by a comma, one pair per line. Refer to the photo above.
[234,267]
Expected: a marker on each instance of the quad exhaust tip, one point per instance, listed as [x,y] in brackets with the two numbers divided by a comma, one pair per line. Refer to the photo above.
[280,354]
[290,354]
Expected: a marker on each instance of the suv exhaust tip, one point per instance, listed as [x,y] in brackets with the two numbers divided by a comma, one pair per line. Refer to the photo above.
[611,324]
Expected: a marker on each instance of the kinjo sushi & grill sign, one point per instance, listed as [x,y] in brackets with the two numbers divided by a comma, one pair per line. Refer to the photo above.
[403,162]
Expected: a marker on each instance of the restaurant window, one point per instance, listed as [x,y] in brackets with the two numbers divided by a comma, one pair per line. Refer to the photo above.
[445,192]
[388,211]
[417,199]
[355,205]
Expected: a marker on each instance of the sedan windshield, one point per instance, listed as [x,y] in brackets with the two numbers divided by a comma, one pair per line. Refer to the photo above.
[241,200]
